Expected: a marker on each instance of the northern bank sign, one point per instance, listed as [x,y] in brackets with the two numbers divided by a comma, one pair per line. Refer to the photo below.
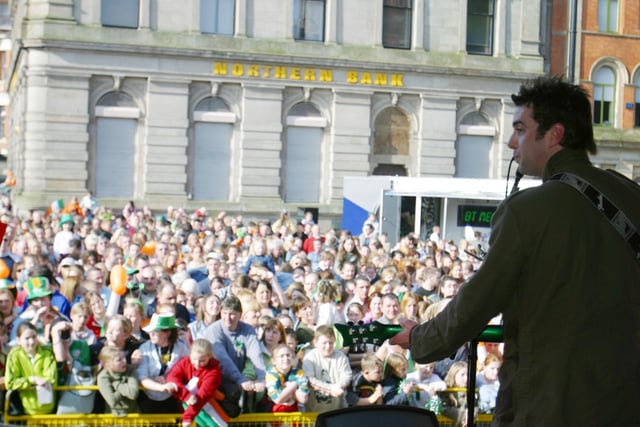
[307,74]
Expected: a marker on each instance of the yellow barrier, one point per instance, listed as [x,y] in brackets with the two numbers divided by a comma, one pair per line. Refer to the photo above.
[297,419]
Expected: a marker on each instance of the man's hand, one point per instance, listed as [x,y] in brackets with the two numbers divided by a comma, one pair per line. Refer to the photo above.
[407,387]
[376,397]
[247,385]
[170,387]
[403,339]
[136,357]
[336,390]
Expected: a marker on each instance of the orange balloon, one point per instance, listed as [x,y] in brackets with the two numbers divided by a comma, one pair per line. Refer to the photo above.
[118,279]
[149,248]
[4,270]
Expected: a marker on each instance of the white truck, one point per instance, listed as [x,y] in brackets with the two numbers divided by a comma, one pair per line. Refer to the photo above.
[459,206]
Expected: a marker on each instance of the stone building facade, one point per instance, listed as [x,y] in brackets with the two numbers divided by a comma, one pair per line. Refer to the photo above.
[253,106]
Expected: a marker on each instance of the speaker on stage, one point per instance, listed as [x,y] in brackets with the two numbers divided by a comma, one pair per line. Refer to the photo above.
[377,416]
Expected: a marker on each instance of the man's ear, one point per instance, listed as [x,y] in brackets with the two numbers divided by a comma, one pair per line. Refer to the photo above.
[556,132]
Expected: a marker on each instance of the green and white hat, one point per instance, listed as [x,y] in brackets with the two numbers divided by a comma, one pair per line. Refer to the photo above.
[66,218]
[161,322]
[37,287]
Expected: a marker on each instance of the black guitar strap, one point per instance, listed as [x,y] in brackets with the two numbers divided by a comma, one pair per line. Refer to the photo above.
[618,220]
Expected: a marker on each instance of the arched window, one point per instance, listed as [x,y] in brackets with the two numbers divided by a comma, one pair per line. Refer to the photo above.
[303,153]
[210,154]
[473,147]
[116,127]
[604,85]
[390,151]
[392,129]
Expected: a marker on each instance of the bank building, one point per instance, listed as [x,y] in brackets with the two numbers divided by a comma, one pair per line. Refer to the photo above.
[254,106]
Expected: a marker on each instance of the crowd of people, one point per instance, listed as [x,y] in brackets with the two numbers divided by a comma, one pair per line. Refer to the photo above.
[216,303]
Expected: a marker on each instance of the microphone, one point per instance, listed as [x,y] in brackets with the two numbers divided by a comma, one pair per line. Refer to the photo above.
[516,181]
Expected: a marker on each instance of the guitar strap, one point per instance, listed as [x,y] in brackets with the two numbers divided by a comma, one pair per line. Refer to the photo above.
[618,220]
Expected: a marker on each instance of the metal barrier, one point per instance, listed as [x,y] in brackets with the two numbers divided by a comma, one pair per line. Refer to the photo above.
[297,419]
[292,419]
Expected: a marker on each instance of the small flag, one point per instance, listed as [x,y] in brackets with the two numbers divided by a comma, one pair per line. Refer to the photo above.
[56,207]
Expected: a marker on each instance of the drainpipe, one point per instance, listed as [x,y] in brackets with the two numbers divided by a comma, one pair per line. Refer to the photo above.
[573,22]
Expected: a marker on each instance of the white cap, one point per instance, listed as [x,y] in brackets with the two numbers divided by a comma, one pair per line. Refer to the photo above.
[68,261]
[190,286]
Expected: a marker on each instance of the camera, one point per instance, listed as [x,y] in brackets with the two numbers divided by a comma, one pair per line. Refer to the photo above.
[65,334]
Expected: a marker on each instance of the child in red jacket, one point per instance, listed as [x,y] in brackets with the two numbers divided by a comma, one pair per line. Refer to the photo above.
[197,377]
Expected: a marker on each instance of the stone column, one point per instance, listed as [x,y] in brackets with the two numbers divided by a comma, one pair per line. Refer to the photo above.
[351,136]
[55,133]
[261,150]
[437,136]
[165,142]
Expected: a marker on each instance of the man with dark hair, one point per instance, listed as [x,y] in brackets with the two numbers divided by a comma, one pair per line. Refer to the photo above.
[561,274]
[235,343]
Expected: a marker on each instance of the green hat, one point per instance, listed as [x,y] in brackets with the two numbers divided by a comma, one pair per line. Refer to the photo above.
[66,218]
[161,322]
[6,283]
[37,287]
[130,270]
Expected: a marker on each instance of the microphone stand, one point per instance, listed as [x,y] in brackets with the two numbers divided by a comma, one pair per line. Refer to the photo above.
[492,333]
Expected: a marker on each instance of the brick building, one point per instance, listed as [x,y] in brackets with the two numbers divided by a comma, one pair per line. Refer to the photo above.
[604,56]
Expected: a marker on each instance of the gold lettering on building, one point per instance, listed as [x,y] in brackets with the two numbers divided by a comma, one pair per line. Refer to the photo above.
[396,80]
[324,75]
[237,70]
[280,73]
[366,78]
[220,69]
[253,71]
[309,74]
[381,79]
